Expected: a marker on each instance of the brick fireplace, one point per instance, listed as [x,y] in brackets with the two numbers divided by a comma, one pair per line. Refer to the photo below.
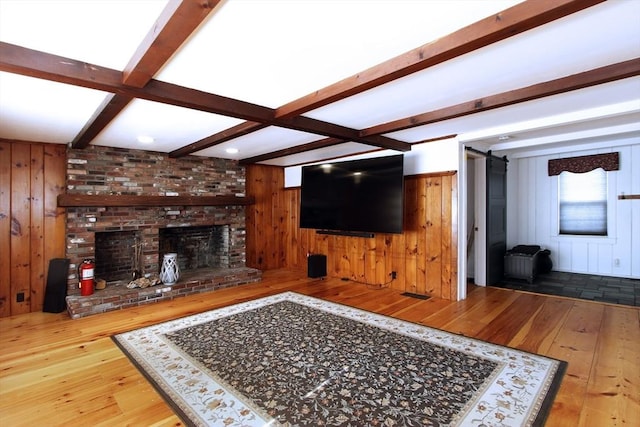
[107,233]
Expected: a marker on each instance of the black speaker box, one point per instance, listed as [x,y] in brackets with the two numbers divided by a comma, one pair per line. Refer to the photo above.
[56,291]
[316,265]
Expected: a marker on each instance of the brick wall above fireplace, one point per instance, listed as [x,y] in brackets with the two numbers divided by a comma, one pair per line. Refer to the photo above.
[97,171]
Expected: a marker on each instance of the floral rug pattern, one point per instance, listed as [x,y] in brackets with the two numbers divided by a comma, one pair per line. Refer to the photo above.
[290,360]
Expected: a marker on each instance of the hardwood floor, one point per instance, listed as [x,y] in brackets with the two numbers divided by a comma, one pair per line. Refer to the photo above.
[58,371]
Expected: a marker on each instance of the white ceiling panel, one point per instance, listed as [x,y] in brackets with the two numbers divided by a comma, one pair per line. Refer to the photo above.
[272,52]
[327,153]
[101,32]
[37,110]
[537,55]
[512,118]
[265,140]
[169,126]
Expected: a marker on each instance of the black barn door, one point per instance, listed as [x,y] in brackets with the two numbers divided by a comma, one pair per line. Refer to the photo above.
[496,218]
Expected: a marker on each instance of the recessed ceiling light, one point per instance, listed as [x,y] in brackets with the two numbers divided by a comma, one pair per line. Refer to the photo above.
[145,139]
[231,150]
[504,137]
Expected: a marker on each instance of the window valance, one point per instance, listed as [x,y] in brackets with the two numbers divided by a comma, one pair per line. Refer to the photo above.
[582,164]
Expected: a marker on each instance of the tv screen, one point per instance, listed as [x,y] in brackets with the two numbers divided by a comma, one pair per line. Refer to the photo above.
[354,196]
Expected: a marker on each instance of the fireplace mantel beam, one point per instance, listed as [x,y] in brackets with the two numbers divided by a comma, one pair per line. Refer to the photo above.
[81,200]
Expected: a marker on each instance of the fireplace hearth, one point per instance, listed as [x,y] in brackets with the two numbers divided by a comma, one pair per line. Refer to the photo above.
[117,296]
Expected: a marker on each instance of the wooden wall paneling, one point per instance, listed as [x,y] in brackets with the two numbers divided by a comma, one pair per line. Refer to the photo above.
[342,258]
[433,244]
[280,214]
[377,259]
[306,247]
[423,254]
[353,259]
[269,221]
[36,230]
[55,170]
[295,233]
[255,219]
[360,271]
[20,221]
[5,229]
[424,237]
[411,231]
[337,262]
[372,260]
[450,238]
[369,267]
[251,238]
[285,232]
[445,244]
[333,256]
[397,261]
[321,246]
[384,258]
[293,255]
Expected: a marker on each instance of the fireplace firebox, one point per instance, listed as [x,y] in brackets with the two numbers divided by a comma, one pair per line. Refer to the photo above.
[197,247]
[115,255]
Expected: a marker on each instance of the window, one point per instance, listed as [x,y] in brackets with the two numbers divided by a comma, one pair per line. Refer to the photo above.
[583,203]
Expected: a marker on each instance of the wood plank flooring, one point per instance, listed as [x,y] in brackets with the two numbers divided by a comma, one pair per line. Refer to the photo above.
[58,371]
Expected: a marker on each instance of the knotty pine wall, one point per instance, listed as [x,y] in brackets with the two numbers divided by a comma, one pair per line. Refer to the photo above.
[32,227]
[424,255]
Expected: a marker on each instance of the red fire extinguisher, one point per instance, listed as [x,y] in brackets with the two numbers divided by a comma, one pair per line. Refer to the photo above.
[85,277]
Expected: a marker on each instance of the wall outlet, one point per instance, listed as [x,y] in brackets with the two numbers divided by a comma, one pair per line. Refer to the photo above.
[616,262]
[393,275]
[20,297]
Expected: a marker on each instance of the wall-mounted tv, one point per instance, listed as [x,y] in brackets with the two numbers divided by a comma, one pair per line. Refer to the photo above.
[354,196]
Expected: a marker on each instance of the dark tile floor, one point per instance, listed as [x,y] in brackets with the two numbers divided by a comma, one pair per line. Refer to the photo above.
[615,290]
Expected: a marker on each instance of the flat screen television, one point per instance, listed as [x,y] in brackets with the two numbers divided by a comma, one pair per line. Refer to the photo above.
[363,195]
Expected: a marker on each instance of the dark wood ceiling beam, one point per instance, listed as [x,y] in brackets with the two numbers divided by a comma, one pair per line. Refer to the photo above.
[328,142]
[597,76]
[298,123]
[20,60]
[178,20]
[315,145]
[110,107]
[512,21]
[303,123]
[176,23]
[606,74]
[241,129]
[28,62]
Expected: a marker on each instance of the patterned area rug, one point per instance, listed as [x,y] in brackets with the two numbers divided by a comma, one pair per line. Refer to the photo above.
[290,360]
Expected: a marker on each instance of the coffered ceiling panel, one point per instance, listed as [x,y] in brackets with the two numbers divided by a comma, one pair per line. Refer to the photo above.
[316,79]
[39,110]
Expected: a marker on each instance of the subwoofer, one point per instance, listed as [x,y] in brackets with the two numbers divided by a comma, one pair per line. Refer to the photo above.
[55,294]
[316,265]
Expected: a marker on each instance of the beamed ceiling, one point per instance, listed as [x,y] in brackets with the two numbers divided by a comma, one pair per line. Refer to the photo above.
[289,82]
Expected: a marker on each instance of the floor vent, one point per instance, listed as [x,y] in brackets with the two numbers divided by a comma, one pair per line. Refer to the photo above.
[412,295]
